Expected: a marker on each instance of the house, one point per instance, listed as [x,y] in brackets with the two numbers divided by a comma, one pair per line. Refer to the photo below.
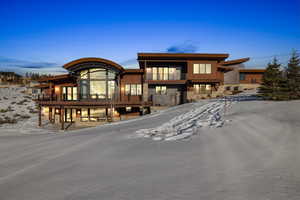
[97,90]
[251,76]
[241,78]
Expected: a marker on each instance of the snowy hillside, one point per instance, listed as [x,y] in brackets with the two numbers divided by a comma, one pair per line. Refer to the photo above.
[18,113]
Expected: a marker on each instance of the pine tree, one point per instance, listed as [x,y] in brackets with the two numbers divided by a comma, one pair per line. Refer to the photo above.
[293,76]
[271,82]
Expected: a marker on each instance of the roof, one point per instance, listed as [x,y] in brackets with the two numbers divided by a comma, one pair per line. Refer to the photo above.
[54,78]
[253,70]
[45,85]
[181,56]
[133,71]
[226,69]
[92,59]
[234,62]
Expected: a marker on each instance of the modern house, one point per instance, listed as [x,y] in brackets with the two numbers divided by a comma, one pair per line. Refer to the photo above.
[97,90]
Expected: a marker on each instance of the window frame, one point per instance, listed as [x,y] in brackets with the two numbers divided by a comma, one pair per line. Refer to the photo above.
[202,68]
[159,89]
[202,88]
[133,89]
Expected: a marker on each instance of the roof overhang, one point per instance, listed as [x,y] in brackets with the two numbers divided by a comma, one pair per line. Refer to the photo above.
[234,62]
[225,69]
[181,56]
[133,71]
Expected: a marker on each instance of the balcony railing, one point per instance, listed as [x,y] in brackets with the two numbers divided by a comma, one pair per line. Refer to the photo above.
[161,77]
[88,97]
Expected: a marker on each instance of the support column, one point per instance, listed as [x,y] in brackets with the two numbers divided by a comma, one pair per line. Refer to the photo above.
[50,114]
[62,116]
[106,113]
[40,116]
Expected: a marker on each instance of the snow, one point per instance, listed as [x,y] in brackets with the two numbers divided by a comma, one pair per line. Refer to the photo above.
[18,113]
[185,125]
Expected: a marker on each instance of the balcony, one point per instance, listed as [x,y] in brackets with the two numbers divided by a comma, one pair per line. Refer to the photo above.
[166,77]
[88,100]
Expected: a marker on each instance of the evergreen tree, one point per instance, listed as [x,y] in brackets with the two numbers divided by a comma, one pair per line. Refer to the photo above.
[293,76]
[272,81]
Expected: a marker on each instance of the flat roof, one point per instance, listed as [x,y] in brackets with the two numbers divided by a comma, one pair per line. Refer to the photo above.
[182,56]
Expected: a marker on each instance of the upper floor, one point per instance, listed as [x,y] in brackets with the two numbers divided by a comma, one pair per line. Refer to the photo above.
[181,67]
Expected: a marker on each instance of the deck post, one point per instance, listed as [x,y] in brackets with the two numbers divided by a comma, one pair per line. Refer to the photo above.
[50,114]
[62,114]
[40,116]
[106,113]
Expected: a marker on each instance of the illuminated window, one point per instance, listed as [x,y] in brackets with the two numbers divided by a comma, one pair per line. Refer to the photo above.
[133,89]
[127,89]
[202,68]
[202,88]
[166,73]
[154,73]
[161,89]
[139,89]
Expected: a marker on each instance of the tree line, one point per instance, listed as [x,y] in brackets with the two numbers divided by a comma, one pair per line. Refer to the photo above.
[36,76]
[282,82]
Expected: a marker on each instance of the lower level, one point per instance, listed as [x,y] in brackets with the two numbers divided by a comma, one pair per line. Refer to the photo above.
[88,115]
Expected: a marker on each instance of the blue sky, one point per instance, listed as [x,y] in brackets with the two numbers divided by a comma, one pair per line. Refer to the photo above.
[38,35]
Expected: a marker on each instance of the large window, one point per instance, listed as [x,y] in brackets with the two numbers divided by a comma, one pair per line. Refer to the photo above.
[163,73]
[97,83]
[202,68]
[160,89]
[133,89]
[69,93]
[202,88]
[93,114]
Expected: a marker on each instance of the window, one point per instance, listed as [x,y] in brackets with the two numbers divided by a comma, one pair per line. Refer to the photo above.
[154,75]
[196,68]
[133,89]
[166,73]
[98,89]
[92,114]
[202,88]
[69,93]
[160,73]
[242,77]
[202,68]
[97,83]
[160,89]
[127,89]
[163,73]
[172,75]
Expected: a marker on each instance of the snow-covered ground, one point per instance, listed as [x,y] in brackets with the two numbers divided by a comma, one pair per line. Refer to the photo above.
[187,124]
[254,157]
[18,113]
